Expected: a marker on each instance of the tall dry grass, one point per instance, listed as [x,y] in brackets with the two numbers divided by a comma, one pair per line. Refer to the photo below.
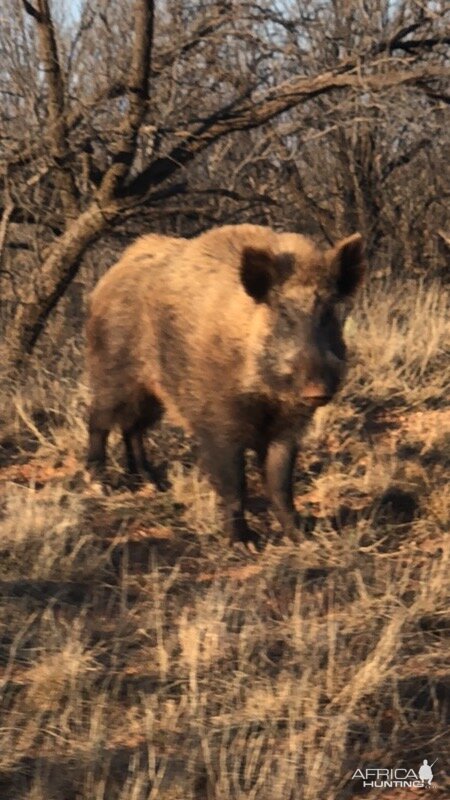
[143,659]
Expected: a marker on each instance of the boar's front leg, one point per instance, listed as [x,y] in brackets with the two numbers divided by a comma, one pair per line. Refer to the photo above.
[224,461]
[279,471]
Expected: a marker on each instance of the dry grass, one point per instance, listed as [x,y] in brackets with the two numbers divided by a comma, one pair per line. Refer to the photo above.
[142,659]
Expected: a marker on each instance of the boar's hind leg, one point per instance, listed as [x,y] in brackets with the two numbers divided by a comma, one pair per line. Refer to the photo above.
[135,451]
[138,464]
[98,438]
[133,438]
[225,464]
[279,469]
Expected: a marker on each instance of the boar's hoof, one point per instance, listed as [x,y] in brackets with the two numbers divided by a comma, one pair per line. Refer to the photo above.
[95,478]
[161,481]
[155,475]
[299,527]
[246,538]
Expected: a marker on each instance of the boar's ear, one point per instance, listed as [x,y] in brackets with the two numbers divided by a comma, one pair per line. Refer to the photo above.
[348,264]
[261,270]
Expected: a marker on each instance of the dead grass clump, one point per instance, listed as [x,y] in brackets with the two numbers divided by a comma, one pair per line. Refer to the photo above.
[48,542]
[402,339]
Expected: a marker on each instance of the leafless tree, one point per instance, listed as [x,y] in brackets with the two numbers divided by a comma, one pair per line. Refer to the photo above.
[313,115]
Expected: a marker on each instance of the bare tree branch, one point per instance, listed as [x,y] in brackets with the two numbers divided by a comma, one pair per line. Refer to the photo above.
[435,95]
[32,11]
[445,237]
[137,97]
[56,106]
[398,37]
[252,114]
[404,158]
[412,45]
[197,35]
[8,209]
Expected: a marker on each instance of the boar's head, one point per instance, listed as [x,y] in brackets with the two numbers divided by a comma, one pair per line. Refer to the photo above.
[302,293]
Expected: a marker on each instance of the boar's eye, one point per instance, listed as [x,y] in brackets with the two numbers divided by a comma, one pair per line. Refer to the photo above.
[286,321]
[328,318]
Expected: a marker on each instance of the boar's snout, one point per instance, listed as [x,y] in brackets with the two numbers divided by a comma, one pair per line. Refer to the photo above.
[319,391]
[315,394]
[322,378]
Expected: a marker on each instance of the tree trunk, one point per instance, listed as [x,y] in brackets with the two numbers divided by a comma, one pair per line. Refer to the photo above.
[59,267]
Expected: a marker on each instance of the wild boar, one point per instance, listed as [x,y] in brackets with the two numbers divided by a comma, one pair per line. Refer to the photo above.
[236,334]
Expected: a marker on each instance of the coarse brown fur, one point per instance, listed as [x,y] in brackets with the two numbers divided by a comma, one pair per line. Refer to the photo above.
[234,334]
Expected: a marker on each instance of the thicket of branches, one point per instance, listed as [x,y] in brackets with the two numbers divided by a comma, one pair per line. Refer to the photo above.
[322,116]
